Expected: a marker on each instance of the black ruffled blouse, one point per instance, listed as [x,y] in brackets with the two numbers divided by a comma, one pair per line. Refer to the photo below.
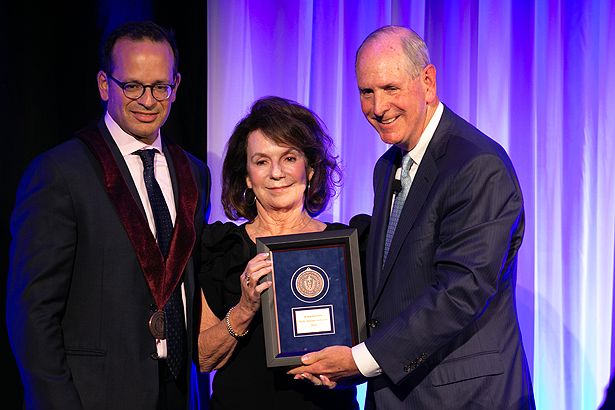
[245,380]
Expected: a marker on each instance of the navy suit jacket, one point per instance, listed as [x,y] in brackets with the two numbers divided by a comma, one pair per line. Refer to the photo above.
[442,316]
[78,303]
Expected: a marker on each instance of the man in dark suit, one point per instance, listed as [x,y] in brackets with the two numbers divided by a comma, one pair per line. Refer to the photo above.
[443,324]
[101,287]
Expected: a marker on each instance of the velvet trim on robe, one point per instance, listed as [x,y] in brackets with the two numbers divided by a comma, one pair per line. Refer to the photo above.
[162,276]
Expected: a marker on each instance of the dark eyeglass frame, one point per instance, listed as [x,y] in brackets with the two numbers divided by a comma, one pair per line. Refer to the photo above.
[123,86]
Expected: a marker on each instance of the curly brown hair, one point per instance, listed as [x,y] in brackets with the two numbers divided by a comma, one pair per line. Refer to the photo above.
[288,123]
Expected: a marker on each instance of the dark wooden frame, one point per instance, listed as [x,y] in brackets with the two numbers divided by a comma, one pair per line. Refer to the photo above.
[349,241]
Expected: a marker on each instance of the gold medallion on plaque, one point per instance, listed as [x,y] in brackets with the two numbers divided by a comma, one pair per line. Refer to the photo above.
[309,283]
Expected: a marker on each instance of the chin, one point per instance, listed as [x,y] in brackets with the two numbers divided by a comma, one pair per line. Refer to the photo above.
[389,139]
[145,133]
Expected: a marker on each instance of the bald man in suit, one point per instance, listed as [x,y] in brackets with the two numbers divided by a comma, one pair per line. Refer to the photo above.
[442,252]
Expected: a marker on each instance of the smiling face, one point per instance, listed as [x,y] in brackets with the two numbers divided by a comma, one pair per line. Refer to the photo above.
[396,103]
[276,174]
[148,63]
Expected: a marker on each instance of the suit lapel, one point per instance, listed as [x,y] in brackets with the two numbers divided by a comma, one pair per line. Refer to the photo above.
[423,181]
[383,188]
[172,173]
[422,184]
[186,200]
[121,164]
[161,275]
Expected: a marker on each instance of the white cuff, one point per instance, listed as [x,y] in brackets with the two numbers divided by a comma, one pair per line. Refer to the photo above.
[365,361]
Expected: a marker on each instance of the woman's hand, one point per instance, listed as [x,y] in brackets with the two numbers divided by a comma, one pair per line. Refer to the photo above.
[215,344]
[251,289]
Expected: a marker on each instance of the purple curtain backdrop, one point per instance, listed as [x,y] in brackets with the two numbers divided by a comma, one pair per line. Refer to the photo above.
[537,76]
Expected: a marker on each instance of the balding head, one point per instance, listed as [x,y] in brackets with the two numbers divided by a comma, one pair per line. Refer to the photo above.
[412,45]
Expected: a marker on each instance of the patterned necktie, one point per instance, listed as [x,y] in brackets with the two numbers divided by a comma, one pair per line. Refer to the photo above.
[400,198]
[175,330]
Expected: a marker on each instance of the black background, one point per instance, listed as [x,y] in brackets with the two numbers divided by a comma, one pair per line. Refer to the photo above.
[48,66]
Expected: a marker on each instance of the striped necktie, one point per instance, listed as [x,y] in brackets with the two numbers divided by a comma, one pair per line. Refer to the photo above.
[400,198]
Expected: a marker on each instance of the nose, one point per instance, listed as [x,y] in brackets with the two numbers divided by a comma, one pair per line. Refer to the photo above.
[147,99]
[381,105]
[277,171]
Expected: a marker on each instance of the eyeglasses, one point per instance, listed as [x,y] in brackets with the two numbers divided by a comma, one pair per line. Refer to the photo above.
[135,90]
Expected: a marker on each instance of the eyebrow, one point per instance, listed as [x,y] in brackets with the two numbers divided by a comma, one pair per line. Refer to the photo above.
[288,151]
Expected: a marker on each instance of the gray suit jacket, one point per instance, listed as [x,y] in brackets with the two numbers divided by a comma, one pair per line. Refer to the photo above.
[78,303]
[442,313]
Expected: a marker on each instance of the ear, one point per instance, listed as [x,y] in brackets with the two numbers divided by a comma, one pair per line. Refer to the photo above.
[310,174]
[178,78]
[248,182]
[103,85]
[429,83]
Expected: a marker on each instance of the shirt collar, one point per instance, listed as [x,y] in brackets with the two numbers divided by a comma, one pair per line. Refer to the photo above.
[126,143]
[419,149]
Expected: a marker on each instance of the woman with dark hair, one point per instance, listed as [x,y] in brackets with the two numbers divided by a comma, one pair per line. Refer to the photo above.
[279,173]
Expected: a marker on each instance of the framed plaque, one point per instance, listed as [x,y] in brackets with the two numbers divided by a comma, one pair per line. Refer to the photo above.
[316,299]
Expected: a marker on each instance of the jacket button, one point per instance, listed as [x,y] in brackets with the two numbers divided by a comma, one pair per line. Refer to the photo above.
[373,323]
[154,356]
